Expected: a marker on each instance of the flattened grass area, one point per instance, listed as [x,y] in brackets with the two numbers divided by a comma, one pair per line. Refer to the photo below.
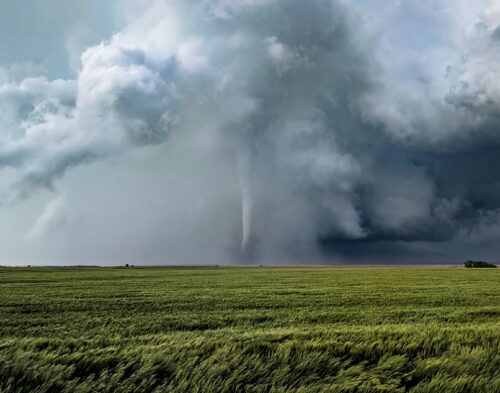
[250,329]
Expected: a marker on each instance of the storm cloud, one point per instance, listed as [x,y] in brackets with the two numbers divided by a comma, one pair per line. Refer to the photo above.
[275,131]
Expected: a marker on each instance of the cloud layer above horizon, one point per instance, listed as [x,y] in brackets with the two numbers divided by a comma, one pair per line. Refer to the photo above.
[281,131]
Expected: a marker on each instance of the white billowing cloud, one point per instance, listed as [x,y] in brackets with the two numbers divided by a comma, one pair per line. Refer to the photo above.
[438,73]
[119,101]
[476,92]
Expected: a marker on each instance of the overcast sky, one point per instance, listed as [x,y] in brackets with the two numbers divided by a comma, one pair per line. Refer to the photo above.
[237,131]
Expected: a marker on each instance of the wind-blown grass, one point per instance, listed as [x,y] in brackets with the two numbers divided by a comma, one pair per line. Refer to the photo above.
[250,329]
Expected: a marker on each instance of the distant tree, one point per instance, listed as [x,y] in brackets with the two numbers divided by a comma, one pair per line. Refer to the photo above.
[474,264]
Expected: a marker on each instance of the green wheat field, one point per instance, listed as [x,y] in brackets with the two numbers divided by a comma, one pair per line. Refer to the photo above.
[256,329]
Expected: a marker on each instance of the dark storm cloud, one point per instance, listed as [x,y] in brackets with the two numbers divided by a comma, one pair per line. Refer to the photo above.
[346,138]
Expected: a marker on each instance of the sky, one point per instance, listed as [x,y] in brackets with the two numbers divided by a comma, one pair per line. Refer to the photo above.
[249,131]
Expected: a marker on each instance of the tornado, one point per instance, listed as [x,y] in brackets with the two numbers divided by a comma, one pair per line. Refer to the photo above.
[245,180]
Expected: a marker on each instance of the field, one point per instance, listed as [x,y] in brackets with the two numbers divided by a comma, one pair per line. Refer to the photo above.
[250,329]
